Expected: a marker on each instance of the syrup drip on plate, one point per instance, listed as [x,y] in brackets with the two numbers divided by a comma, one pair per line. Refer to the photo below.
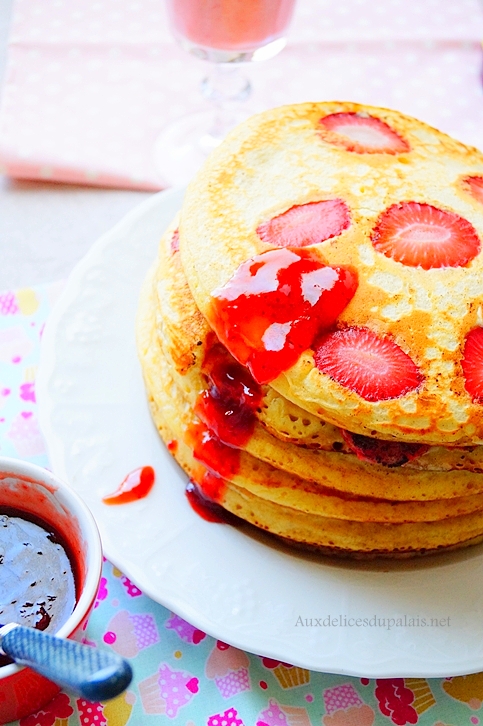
[136,485]
[204,506]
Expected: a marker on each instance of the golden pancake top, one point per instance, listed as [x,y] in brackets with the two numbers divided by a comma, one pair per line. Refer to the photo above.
[403,207]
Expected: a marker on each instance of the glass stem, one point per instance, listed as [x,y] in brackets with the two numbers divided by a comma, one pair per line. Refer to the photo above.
[226,88]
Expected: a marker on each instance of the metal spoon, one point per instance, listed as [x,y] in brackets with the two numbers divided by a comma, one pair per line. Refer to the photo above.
[96,675]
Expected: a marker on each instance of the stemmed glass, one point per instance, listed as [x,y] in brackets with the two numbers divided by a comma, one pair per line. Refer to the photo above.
[227,34]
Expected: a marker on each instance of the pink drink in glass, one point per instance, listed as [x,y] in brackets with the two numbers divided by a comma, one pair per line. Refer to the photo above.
[228,34]
[230,25]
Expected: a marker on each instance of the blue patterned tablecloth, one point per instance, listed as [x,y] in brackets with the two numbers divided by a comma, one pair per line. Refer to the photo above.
[181,675]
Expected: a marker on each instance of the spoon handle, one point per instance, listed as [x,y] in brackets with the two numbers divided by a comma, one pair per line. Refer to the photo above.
[97,675]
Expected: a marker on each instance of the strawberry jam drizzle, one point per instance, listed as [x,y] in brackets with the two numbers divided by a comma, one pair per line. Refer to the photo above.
[226,410]
[206,507]
[275,305]
[222,460]
[136,485]
[229,403]
[38,573]
[172,446]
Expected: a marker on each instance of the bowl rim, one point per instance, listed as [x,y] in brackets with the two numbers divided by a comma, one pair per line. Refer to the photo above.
[90,533]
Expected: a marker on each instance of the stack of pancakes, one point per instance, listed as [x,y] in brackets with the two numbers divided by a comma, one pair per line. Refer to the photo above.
[310,332]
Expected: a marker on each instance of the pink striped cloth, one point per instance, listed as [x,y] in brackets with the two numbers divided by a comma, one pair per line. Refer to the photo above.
[89,85]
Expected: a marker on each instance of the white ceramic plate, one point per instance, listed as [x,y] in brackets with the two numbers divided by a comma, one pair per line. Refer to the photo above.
[363,620]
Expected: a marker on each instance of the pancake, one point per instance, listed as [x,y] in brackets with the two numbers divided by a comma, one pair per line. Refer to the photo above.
[184,338]
[298,511]
[393,210]
[310,333]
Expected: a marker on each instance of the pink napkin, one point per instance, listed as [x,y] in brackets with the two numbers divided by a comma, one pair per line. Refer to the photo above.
[89,86]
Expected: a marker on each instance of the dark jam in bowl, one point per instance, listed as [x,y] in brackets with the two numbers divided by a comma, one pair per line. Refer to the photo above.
[37,581]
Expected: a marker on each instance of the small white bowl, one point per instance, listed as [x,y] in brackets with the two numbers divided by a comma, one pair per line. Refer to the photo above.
[30,489]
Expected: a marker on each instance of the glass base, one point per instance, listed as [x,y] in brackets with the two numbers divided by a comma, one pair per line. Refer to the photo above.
[183,146]
[236,55]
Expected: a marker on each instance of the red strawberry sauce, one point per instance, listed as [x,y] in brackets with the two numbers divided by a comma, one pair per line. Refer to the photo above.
[217,457]
[228,404]
[37,577]
[205,507]
[136,485]
[226,410]
[268,313]
[220,461]
[275,305]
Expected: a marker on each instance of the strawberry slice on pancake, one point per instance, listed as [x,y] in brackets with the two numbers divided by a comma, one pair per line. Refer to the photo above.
[361,134]
[372,366]
[474,185]
[306,224]
[420,235]
[378,451]
[472,364]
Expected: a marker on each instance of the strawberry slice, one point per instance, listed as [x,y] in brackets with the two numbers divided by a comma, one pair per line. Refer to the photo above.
[275,305]
[472,364]
[306,224]
[372,366]
[474,185]
[420,235]
[362,134]
[377,451]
